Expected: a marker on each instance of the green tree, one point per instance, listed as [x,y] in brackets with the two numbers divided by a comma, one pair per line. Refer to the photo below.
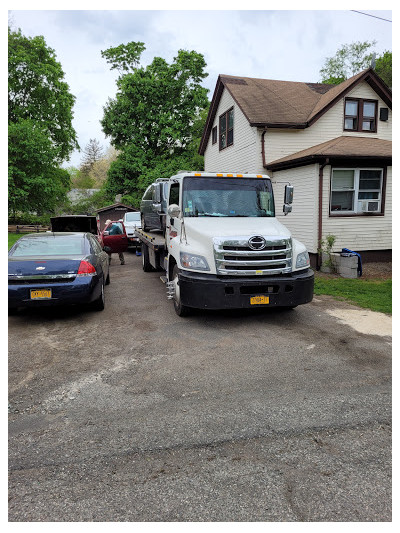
[148,167]
[353,58]
[383,67]
[125,57]
[34,183]
[150,121]
[348,61]
[40,115]
[92,153]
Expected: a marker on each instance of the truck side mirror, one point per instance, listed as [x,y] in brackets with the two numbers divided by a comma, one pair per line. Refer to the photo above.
[288,199]
[288,194]
[174,210]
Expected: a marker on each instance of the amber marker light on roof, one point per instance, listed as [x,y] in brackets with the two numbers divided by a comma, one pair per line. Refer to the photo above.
[229,175]
[220,175]
[197,174]
[239,175]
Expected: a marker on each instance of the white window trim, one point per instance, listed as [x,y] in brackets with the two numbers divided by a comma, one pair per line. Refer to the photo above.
[356,210]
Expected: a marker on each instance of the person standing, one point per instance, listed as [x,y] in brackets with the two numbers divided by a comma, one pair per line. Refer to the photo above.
[115,229]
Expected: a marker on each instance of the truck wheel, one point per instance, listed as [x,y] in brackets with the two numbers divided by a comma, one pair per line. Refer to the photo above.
[142,223]
[145,259]
[180,309]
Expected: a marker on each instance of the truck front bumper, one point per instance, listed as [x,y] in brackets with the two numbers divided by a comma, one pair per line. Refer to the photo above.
[208,291]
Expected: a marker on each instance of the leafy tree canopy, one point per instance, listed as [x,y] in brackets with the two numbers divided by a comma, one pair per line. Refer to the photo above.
[152,120]
[353,58]
[146,168]
[37,91]
[40,129]
[34,183]
[124,57]
[383,67]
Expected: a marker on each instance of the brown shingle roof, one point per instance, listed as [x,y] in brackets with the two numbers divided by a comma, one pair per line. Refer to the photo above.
[271,101]
[339,148]
[285,104]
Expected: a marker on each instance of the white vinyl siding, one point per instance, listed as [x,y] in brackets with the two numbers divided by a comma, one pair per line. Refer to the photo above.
[241,156]
[303,220]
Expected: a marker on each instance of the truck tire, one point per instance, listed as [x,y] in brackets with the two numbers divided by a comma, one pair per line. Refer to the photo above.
[143,224]
[146,260]
[180,309]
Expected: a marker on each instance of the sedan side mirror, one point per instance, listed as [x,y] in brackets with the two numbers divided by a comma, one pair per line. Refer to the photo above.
[105,233]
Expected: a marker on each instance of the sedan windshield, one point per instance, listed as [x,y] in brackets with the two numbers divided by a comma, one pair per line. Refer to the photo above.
[227,197]
[48,245]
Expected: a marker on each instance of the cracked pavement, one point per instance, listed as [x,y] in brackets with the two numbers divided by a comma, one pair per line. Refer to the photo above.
[134,414]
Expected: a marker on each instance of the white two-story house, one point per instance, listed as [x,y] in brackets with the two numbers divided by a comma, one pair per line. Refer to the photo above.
[332,142]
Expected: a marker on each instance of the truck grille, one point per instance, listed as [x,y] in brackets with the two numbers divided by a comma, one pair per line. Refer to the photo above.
[235,257]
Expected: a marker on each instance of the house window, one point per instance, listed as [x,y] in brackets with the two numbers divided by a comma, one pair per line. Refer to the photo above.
[356,191]
[226,129]
[360,115]
[214,134]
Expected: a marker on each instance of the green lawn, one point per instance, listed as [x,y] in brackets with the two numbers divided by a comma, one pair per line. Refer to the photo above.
[371,294]
[12,238]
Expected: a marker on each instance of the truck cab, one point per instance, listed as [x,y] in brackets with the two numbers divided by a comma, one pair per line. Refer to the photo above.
[225,248]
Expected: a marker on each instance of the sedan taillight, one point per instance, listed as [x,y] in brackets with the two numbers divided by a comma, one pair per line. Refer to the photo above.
[86,269]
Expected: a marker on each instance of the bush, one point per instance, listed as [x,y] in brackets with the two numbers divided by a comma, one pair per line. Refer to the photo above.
[30,219]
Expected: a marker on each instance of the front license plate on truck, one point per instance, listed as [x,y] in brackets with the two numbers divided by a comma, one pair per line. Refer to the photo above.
[40,294]
[257,300]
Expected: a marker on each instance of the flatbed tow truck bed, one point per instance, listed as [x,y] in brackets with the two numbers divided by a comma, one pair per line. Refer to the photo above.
[153,249]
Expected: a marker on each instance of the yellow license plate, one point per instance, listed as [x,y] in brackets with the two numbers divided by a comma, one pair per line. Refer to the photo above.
[40,294]
[257,300]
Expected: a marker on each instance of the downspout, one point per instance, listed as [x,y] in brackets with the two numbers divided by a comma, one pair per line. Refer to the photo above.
[263,147]
[321,180]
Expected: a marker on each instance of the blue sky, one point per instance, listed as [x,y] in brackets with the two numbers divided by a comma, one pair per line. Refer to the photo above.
[276,44]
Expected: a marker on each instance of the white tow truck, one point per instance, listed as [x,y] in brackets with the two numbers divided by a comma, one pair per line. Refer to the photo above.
[223,247]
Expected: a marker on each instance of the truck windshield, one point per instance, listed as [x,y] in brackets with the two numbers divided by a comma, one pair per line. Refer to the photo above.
[227,197]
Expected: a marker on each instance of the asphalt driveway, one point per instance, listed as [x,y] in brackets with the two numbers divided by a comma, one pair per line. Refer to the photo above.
[134,414]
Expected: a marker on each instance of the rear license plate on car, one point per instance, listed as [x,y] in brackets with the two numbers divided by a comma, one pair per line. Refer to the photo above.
[41,294]
[257,300]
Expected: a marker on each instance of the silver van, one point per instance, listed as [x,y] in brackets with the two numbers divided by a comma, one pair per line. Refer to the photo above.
[153,207]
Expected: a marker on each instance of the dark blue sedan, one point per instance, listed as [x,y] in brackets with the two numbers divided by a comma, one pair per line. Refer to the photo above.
[57,269]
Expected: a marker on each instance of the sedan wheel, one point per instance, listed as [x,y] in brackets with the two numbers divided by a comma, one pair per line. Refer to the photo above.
[99,304]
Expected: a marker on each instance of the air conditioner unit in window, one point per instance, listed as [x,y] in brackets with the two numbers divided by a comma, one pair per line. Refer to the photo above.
[369,206]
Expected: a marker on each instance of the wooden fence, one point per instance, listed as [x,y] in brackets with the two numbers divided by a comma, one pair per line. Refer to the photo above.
[26,228]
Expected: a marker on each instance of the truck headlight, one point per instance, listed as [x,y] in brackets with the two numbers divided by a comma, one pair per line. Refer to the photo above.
[195,262]
[303,260]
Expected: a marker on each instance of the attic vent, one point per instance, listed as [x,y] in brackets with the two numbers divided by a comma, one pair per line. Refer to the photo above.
[235,81]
